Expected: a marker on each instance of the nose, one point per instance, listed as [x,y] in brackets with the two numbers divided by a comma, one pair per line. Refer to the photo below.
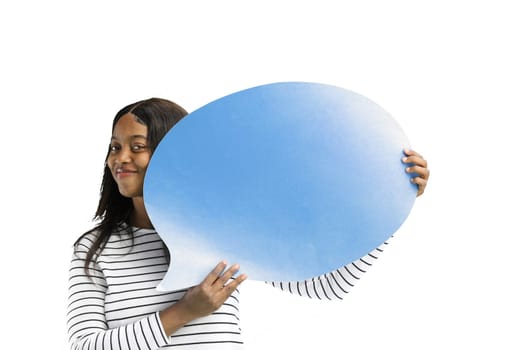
[123,156]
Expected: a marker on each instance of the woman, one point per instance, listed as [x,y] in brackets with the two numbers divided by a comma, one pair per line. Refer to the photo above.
[113,302]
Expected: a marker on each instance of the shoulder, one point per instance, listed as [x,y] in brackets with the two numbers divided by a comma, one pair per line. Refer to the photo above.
[84,243]
[94,237]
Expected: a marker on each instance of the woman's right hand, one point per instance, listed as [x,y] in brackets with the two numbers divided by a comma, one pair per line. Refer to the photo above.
[203,299]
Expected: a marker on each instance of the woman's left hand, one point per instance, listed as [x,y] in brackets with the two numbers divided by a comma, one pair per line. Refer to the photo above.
[418,166]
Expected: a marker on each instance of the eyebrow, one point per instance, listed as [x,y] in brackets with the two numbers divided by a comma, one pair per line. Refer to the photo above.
[133,137]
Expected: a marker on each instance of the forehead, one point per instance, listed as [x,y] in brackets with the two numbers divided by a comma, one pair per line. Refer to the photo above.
[128,126]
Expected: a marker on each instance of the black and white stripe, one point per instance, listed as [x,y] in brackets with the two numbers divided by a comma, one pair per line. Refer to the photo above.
[335,284]
[118,308]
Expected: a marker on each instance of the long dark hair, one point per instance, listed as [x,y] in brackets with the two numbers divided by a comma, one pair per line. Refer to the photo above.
[113,210]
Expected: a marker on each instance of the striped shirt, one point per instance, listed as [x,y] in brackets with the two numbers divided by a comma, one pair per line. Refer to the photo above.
[335,284]
[117,307]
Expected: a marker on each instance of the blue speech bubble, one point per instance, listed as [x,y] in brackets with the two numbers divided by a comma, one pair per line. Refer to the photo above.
[291,180]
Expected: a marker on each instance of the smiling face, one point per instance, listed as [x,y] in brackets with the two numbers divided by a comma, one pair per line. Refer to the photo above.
[129,155]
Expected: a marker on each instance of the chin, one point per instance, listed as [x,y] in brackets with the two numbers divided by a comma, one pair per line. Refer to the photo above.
[130,194]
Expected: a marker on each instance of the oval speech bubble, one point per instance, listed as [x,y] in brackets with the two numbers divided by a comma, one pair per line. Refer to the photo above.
[291,180]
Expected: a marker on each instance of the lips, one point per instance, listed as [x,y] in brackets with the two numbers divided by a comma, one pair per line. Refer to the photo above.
[124,172]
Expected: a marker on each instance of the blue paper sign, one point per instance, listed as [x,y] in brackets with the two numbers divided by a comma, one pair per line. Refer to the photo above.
[291,180]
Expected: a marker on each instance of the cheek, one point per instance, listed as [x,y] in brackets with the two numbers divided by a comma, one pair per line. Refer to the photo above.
[109,163]
[109,167]
[143,161]
[110,159]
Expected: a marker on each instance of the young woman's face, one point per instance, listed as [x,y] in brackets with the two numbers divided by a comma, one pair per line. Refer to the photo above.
[129,155]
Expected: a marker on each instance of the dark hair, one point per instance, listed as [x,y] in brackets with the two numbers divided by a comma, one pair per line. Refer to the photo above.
[159,116]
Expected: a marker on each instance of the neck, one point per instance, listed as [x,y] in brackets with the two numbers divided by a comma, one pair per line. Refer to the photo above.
[139,217]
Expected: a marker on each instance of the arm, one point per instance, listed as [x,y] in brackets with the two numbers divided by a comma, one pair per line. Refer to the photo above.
[87,324]
[336,284]
[202,299]
[86,321]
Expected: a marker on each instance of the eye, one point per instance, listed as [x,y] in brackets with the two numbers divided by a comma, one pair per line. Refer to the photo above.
[114,148]
[138,147]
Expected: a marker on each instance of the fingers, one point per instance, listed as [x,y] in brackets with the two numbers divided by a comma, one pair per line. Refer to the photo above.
[225,277]
[225,284]
[234,284]
[419,170]
[211,293]
[215,273]
[414,158]
[218,277]
[419,166]
[421,184]
[411,152]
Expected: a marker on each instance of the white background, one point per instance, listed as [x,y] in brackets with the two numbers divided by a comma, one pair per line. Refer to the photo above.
[451,73]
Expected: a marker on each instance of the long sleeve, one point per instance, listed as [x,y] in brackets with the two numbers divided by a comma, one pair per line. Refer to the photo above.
[335,284]
[86,317]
